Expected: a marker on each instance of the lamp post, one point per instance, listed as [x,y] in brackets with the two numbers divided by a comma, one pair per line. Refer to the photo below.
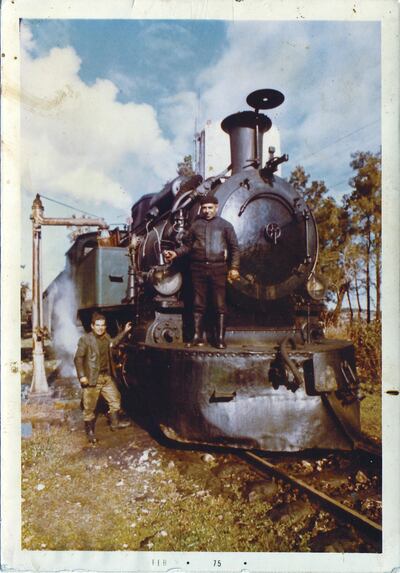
[39,386]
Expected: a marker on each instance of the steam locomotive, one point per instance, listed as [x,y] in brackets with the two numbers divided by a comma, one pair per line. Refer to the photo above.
[280,385]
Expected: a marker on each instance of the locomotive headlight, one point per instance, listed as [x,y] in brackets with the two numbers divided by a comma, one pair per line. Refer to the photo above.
[165,281]
[316,287]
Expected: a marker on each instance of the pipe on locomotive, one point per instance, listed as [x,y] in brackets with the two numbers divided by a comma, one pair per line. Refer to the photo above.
[283,352]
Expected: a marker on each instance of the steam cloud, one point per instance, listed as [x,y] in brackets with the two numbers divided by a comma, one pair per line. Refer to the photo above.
[62,309]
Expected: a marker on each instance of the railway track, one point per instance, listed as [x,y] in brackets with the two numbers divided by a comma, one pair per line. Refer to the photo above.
[372,529]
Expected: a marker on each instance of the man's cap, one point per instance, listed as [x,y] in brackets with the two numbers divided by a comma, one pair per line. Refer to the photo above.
[208,199]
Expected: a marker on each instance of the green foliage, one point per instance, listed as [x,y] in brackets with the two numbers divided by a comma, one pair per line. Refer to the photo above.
[349,233]
[364,205]
[371,416]
[332,224]
[24,291]
[365,199]
[367,338]
[185,167]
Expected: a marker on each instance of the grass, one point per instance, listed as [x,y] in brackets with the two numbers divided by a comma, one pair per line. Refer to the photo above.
[367,341]
[110,498]
[371,416]
[89,499]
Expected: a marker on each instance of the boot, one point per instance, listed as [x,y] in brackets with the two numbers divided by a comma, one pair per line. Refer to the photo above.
[198,338]
[116,423]
[89,429]
[221,331]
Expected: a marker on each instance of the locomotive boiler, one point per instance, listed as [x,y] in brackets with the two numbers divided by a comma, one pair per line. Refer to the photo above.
[280,385]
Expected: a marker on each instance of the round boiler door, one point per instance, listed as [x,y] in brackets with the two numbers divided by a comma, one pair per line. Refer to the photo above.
[272,241]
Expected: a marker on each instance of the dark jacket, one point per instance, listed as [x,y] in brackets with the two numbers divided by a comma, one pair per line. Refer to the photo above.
[87,357]
[211,241]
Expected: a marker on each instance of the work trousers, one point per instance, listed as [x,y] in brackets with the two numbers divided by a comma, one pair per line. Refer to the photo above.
[105,387]
[209,276]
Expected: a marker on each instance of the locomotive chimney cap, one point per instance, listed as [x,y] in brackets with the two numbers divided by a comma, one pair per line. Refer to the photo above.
[246,119]
[265,99]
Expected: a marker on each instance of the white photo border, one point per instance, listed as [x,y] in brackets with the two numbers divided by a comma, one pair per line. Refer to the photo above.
[13,558]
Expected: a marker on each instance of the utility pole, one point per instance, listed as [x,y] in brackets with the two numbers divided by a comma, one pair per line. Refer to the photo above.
[39,386]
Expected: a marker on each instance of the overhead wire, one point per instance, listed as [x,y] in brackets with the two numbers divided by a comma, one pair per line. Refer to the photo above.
[339,139]
[341,182]
[299,161]
[77,209]
[70,206]
[333,143]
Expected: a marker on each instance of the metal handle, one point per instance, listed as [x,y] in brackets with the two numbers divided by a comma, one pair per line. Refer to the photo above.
[306,219]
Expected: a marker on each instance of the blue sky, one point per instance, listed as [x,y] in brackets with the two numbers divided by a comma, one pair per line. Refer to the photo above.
[149,59]
[119,100]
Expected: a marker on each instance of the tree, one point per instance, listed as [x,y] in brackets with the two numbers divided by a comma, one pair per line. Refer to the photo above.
[363,206]
[354,270]
[332,221]
[26,303]
[185,167]
[24,289]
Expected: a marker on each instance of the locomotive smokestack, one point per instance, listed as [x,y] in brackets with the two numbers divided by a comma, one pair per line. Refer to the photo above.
[246,130]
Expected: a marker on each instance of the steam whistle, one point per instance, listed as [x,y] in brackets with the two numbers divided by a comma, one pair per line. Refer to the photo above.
[267,173]
[273,163]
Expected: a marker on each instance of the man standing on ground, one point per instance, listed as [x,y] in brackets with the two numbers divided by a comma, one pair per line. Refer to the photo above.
[94,370]
[213,248]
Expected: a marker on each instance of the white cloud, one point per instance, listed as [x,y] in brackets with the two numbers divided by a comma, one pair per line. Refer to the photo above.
[127,85]
[81,146]
[178,114]
[78,140]
[329,73]
[258,55]
[27,42]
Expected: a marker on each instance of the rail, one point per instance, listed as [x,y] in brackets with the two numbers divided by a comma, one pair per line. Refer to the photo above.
[371,528]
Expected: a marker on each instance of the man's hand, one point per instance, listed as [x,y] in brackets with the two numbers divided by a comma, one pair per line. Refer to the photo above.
[128,327]
[169,256]
[233,275]
[84,381]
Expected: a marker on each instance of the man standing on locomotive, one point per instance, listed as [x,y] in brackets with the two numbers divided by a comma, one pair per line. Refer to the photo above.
[94,370]
[212,245]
